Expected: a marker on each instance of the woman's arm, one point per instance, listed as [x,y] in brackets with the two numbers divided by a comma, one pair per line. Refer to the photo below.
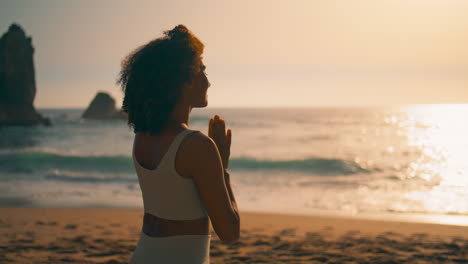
[214,189]
[231,194]
[222,138]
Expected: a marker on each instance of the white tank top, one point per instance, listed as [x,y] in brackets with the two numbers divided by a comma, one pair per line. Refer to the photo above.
[165,193]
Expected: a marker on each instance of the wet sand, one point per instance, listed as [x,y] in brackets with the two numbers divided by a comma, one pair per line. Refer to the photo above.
[43,235]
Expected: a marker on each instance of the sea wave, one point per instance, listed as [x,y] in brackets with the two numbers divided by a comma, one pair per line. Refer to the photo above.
[314,166]
[85,178]
[32,161]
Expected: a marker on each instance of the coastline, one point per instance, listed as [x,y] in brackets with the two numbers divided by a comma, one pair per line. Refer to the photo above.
[417,218]
[108,235]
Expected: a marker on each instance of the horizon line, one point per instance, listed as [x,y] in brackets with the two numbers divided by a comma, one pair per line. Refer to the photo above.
[292,106]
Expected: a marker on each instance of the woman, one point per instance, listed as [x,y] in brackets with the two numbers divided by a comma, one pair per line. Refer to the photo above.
[182,172]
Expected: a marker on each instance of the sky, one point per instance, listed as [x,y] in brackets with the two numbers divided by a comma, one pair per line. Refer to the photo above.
[273,53]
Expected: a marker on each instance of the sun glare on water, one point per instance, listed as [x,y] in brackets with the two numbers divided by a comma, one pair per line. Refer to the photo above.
[440,132]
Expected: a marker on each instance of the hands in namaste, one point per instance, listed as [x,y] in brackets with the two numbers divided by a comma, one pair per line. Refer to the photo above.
[217,131]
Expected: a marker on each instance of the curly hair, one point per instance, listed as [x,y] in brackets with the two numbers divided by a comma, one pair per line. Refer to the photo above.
[152,77]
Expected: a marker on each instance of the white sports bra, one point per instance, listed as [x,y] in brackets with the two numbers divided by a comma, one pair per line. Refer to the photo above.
[165,193]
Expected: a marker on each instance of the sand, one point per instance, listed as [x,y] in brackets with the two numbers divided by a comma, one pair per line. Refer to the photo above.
[43,235]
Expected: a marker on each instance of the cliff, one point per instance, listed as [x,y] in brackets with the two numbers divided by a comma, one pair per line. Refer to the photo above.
[17,80]
[103,107]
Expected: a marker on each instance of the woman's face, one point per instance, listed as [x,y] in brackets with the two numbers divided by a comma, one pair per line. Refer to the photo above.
[198,96]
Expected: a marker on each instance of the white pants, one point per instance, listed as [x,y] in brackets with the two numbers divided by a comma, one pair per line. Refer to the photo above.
[184,249]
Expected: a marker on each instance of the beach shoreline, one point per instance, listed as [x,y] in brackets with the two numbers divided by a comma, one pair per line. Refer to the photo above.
[417,218]
[109,235]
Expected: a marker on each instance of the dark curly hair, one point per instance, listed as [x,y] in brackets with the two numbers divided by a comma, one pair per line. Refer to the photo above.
[152,77]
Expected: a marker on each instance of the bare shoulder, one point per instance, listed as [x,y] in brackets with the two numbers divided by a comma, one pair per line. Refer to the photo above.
[200,150]
[200,142]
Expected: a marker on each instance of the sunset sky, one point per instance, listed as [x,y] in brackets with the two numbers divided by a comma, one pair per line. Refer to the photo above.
[258,53]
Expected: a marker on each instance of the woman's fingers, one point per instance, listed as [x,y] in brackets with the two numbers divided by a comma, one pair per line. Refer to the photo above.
[217,131]
[210,128]
[228,138]
[223,129]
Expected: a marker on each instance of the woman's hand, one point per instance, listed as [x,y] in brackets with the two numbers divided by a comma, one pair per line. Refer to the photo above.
[217,131]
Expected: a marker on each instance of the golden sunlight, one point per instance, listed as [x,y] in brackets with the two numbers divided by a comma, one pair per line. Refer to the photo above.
[439,132]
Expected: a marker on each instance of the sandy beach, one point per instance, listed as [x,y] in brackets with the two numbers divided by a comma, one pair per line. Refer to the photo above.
[43,235]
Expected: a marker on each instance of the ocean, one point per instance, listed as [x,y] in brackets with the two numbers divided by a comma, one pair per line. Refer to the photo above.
[374,161]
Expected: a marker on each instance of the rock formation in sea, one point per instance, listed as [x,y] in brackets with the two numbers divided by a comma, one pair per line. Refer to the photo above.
[17,80]
[103,107]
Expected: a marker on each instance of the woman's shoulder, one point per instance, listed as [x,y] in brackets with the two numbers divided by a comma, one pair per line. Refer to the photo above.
[197,149]
[198,143]
[199,139]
